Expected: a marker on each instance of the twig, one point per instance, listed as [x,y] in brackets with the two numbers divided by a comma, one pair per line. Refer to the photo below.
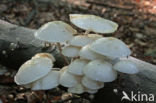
[109,4]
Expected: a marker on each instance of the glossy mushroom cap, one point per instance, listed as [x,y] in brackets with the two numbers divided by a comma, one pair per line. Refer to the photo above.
[82,40]
[86,53]
[91,84]
[110,47]
[76,67]
[48,55]
[93,23]
[56,31]
[51,80]
[100,70]
[71,51]
[33,70]
[94,36]
[68,80]
[126,66]
[78,89]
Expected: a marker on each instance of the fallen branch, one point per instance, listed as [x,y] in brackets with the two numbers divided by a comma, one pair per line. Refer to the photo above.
[144,81]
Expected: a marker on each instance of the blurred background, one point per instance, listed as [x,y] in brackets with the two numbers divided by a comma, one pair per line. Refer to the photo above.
[136,19]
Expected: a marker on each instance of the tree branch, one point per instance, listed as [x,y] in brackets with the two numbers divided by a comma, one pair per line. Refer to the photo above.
[144,81]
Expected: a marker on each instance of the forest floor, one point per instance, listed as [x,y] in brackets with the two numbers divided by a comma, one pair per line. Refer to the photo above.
[137,28]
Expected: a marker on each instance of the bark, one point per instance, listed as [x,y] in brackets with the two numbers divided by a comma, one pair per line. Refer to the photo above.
[27,46]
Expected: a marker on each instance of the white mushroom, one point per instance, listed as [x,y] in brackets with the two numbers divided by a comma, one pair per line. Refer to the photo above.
[48,55]
[82,40]
[94,36]
[71,51]
[126,66]
[100,70]
[56,31]
[67,79]
[33,70]
[91,84]
[78,89]
[110,47]
[76,67]
[86,53]
[93,23]
[63,69]
[51,80]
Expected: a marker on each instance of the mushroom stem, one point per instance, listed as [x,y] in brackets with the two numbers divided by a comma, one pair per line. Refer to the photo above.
[60,49]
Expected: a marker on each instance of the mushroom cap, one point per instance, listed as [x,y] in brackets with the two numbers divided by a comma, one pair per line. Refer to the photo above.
[78,89]
[51,80]
[33,70]
[110,47]
[93,23]
[68,80]
[86,53]
[126,66]
[76,67]
[71,51]
[100,70]
[56,31]
[94,36]
[63,69]
[82,40]
[48,55]
[91,84]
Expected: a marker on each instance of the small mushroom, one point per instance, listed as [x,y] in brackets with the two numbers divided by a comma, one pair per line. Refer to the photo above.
[82,40]
[100,70]
[71,51]
[111,47]
[33,70]
[51,80]
[78,89]
[91,84]
[55,31]
[67,79]
[76,67]
[126,66]
[93,23]
[86,53]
